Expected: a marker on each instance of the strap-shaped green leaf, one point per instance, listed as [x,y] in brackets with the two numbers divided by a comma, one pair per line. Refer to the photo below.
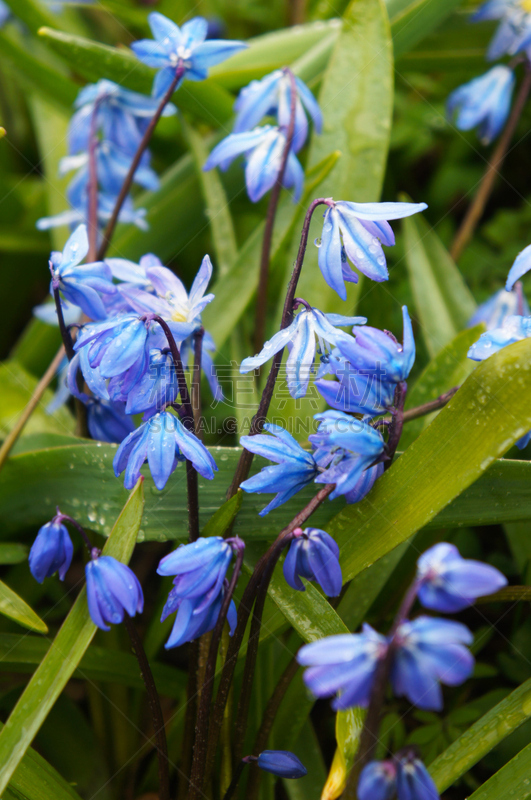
[412,20]
[14,607]
[488,414]
[443,302]
[511,782]
[65,653]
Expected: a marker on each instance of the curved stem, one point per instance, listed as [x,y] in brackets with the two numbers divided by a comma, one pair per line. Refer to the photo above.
[60,516]
[476,208]
[236,777]
[244,610]
[154,705]
[261,294]
[257,424]
[65,333]
[196,379]
[397,422]
[203,713]
[126,186]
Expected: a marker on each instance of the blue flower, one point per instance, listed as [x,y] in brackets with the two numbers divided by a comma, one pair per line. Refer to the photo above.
[522,264]
[313,555]
[430,652]
[343,665]
[158,386]
[175,47]
[377,353]
[364,484]
[272,95]
[448,582]
[414,782]
[163,441]
[189,623]
[81,285]
[112,167]
[208,348]
[112,590]
[121,115]
[51,551]
[514,30]
[282,763]
[295,469]
[514,329]
[300,338]
[356,392]
[199,568]
[503,304]
[107,421]
[357,231]
[484,102]
[377,781]
[352,444]
[263,149]
[128,214]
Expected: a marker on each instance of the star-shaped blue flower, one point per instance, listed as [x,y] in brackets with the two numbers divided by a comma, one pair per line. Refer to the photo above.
[484,102]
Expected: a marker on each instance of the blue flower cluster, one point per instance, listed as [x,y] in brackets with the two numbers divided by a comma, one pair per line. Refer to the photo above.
[199,586]
[113,120]
[263,147]
[485,102]
[423,653]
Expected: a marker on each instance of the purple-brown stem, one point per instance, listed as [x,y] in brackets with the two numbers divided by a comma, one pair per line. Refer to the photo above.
[196,379]
[203,713]
[146,138]
[257,424]
[397,422]
[261,294]
[60,517]
[65,333]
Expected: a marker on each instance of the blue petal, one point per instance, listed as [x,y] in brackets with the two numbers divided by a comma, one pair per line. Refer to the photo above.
[282,763]
[521,266]
[150,53]
[165,31]
[161,449]
[214,51]
[234,145]
[329,257]
[380,211]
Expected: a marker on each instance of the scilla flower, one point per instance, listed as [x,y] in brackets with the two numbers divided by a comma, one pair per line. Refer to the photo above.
[263,149]
[81,285]
[514,29]
[272,95]
[357,231]
[313,555]
[281,763]
[162,441]
[377,781]
[358,392]
[430,652]
[448,582]
[191,623]
[503,304]
[343,665]
[413,781]
[484,102]
[185,47]
[522,265]
[514,329]
[295,467]
[51,551]
[112,591]
[300,338]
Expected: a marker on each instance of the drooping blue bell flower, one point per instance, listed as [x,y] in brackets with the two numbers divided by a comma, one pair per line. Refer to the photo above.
[162,441]
[184,47]
[81,284]
[112,167]
[108,421]
[281,763]
[121,115]
[313,555]
[430,652]
[158,386]
[112,591]
[199,568]
[51,551]
[272,95]
[522,265]
[357,231]
[484,102]
[377,781]
[263,149]
[300,338]
[360,392]
[343,665]
[514,329]
[413,781]
[364,484]
[378,353]
[513,31]
[190,623]
[449,583]
[503,304]
[295,467]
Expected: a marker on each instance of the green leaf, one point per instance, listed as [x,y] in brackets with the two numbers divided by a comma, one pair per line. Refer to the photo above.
[449,368]
[41,78]
[221,520]
[65,653]
[488,414]
[93,61]
[482,737]
[14,607]
[217,206]
[443,301]
[12,553]
[413,20]
[16,388]
[35,779]
[309,612]
[511,782]
[23,653]
[32,13]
